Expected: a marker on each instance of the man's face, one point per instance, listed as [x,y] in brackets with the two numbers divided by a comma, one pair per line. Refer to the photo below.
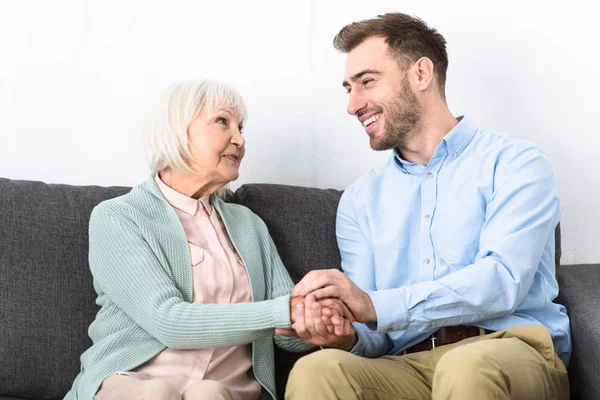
[380,95]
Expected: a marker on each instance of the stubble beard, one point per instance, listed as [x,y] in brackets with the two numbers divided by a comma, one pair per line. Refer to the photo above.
[402,116]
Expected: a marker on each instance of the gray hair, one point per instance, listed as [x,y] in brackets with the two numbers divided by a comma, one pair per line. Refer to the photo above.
[166,131]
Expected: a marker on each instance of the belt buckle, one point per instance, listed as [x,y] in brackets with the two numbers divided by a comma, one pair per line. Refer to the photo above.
[433,341]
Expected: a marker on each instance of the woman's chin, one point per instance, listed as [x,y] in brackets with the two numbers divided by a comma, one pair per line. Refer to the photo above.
[233,177]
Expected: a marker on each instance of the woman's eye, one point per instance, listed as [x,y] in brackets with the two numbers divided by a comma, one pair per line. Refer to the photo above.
[222,120]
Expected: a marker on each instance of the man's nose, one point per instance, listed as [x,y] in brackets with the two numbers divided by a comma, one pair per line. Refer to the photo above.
[355,103]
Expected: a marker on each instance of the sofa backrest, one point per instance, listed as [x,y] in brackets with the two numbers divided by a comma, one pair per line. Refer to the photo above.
[301,222]
[47,300]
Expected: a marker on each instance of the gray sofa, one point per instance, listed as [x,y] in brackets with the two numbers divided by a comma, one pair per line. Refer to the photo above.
[47,299]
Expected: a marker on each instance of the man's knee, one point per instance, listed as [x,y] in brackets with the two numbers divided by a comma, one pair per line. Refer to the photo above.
[322,372]
[467,368]
[158,389]
[208,389]
[320,362]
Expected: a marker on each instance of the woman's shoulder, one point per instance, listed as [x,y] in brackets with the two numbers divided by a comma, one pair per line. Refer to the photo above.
[139,202]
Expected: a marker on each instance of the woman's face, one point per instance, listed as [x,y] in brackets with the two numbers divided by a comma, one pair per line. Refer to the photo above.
[217,145]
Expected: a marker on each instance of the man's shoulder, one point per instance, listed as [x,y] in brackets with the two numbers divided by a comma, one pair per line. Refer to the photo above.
[369,182]
[493,145]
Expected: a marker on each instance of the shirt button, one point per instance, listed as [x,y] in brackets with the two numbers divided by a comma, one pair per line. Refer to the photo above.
[388,330]
[426,261]
[427,218]
[429,175]
[453,154]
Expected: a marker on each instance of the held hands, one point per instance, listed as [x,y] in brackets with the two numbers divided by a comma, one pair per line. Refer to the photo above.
[331,283]
[325,303]
[323,323]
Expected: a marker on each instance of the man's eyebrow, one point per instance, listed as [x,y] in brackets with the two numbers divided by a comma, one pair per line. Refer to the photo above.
[359,75]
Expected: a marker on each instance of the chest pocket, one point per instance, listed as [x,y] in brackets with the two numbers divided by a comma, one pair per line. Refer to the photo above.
[457,228]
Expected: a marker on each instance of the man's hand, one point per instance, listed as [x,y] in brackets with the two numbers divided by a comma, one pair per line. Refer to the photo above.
[322,330]
[327,304]
[333,283]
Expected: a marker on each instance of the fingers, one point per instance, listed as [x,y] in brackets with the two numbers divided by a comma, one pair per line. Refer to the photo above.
[307,280]
[337,321]
[308,315]
[328,324]
[315,280]
[338,306]
[329,291]
[299,324]
[318,324]
[347,325]
[334,324]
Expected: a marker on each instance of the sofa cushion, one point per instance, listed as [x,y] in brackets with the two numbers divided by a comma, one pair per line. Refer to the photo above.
[46,293]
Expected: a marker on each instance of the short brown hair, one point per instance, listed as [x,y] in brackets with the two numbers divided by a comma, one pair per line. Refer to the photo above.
[408,38]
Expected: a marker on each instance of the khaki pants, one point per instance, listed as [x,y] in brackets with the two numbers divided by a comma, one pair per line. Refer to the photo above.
[517,363]
[122,387]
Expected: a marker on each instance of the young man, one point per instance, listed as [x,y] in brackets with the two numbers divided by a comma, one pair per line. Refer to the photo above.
[448,249]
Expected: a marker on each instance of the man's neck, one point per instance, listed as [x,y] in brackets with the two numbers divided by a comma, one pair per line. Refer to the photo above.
[430,132]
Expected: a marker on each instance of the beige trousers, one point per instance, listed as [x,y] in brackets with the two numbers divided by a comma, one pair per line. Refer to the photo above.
[122,387]
[517,363]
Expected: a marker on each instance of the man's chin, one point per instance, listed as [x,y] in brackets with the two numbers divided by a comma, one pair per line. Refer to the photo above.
[379,143]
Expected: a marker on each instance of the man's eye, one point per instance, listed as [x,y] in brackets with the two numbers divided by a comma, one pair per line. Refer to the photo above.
[348,90]
[367,81]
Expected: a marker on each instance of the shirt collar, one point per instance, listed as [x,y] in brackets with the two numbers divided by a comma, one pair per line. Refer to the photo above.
[453,143]
[182,202]
[459,137]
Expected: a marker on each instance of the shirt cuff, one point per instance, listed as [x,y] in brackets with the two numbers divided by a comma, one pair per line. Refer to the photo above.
[392,314]
[359,346]
[281,312]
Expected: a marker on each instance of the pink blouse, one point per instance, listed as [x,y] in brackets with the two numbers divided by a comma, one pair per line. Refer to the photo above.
[219,276]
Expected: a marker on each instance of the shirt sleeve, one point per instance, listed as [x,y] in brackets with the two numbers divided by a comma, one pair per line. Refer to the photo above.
[520,217]
[357,263]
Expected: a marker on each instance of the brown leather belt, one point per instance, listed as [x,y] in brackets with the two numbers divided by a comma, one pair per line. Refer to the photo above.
[447,335]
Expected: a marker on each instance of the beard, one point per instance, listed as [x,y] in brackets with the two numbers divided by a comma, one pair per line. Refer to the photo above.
[402,116]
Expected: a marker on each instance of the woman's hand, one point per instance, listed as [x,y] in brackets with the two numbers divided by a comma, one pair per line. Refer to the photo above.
[320,325]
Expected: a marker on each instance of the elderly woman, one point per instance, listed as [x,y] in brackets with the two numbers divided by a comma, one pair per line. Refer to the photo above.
[191,288]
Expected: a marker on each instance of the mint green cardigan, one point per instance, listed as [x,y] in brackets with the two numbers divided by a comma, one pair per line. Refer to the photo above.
[140,261]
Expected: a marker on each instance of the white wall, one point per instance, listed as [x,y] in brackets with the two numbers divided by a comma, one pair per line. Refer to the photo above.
[77,78]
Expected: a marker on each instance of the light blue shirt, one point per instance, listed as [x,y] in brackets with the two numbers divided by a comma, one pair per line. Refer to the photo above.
[466,240]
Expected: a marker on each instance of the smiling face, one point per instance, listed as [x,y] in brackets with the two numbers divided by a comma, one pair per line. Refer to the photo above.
[216,144]
[380,95]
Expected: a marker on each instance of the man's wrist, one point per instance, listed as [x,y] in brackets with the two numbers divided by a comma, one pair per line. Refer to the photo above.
[371,314]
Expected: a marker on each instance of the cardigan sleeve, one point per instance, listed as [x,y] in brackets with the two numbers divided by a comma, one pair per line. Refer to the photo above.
[282,285]
[127,271]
